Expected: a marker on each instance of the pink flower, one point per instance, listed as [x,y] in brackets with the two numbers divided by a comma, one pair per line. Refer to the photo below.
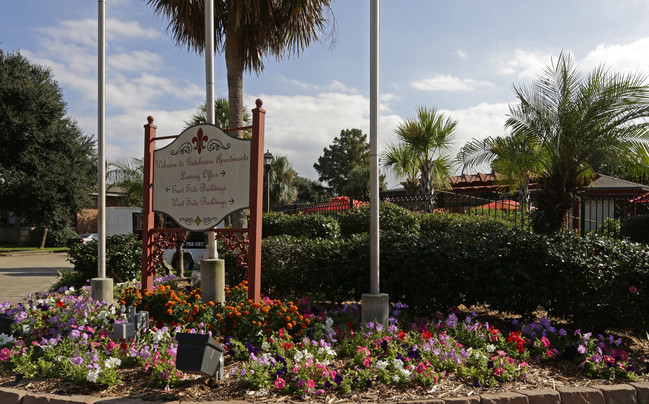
[499,371]
[280,383]
[421,368]
[5,354]
[310,384]
[549,353]
[366,361]
[633,290]
[545,341]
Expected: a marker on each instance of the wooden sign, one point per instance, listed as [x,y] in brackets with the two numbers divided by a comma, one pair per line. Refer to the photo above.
[201,177]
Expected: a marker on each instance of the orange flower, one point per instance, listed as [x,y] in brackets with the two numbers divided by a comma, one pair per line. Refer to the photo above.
[210,303]
[289,326]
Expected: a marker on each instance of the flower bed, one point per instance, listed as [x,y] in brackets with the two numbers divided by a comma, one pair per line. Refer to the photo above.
[277,348]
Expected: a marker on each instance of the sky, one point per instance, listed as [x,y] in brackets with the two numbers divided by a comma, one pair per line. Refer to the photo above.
[461,57]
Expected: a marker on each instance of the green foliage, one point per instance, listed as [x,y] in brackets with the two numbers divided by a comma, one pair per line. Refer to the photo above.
[392,218]
[47,165]
[575,122]
[280,177]
[123,258]
[595,281]
[636,228]
[453,223]
[302,225]
[55,237]
[338,161]
[309,191]
[58,238]
[611,227]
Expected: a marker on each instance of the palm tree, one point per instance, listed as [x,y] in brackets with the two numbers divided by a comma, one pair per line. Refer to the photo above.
[221,115]
[281,175]
[428,137]
[511,157]
[574,119]
[246,32]
[402,160]
[129,176]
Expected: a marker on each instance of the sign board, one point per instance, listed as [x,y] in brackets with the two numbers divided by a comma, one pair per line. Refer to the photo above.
[201,177]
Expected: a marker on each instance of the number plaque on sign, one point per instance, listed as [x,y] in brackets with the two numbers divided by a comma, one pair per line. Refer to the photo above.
[201,177]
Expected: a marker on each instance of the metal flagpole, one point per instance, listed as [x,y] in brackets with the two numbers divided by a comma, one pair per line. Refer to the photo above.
[374,159]
[101,142]
[209,98]
[101,287]
[375,305]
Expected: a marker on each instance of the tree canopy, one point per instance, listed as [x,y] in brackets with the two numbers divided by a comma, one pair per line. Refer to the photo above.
[47,165]
[424,143]
[574,120]
[341,162]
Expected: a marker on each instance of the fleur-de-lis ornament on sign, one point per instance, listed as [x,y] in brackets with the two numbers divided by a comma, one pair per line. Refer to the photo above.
[199,141]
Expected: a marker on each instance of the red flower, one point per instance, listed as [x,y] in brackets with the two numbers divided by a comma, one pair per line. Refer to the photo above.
[401,334]
[60,304]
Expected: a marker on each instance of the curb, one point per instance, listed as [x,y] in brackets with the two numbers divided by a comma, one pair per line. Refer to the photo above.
[634,393]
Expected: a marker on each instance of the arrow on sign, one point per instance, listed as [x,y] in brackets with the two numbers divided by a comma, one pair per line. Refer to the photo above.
[222,173]
[167,189]
[231,201]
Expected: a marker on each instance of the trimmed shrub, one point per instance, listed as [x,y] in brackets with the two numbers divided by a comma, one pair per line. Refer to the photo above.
[123,258]
[301,225]
[636,228]
[595,281]
[392,218]
[58,238]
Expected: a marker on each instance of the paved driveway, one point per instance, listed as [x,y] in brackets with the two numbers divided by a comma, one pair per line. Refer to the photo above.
[23,274]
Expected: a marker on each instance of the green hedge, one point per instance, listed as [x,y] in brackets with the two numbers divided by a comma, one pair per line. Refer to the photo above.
[392,218]
[636,228]
[302,225]
[123,258]
[471,261]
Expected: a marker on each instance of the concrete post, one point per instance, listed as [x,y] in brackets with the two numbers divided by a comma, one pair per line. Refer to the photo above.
[101,289]
[213,280]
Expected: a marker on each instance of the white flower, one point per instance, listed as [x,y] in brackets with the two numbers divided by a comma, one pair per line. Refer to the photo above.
[381,364]
[92,376]
[490,348]
[397,363]
[6,339]
[112,362]
[265,345]
[329,322]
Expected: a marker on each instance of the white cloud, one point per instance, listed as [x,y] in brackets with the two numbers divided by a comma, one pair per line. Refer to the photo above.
[524,65]
[630,57]
[449,83]
[461,54]
[300,127]
[134,61]
[478,122]
[119,30]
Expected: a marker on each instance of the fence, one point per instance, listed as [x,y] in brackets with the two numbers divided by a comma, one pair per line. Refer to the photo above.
[589,212]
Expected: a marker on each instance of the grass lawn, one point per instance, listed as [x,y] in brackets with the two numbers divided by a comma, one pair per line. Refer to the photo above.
[10,249]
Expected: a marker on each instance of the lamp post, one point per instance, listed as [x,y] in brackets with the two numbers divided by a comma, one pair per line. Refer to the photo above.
[268,160]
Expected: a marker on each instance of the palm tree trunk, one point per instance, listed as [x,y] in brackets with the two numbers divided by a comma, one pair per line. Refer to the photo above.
[234,64]
[427,186]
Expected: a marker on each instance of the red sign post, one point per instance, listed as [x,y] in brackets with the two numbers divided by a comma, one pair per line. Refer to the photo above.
[165,190]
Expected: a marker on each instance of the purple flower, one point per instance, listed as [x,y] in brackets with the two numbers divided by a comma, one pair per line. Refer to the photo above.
[581,349]
[563,332]
[77,360]
[633,290]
